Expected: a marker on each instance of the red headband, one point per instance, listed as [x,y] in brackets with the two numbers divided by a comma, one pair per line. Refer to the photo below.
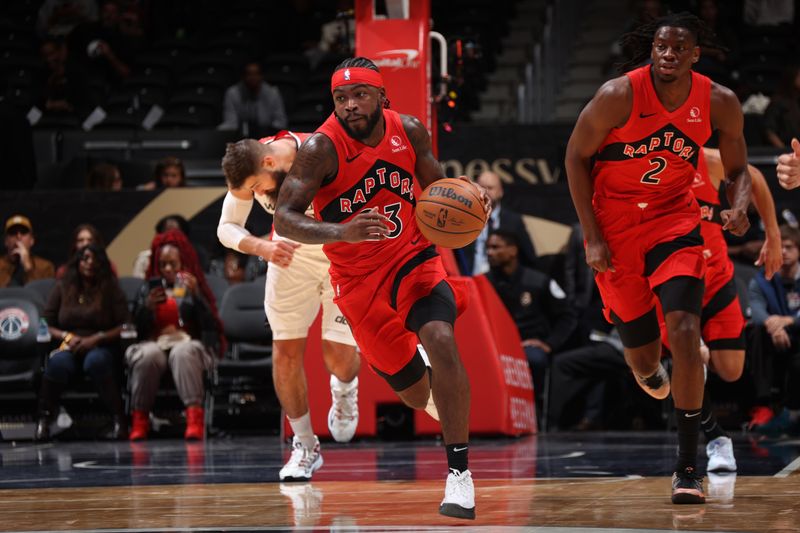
[354,75]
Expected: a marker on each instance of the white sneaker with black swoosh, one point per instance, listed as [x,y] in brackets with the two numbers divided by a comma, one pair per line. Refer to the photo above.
[459,496]
[656,385]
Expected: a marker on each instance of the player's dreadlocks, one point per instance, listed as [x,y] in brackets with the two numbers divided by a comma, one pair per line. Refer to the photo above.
[639,42]
[361,62]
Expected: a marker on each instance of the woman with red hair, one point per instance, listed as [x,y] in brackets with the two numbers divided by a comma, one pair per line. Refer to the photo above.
[177,315]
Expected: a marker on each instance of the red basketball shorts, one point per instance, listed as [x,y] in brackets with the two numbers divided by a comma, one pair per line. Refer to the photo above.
[376,306]
[649,245]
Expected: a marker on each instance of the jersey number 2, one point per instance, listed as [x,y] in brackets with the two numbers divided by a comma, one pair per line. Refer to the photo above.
[649,177]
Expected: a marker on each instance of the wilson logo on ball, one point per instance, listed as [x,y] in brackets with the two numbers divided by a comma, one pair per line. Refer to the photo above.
[447,192]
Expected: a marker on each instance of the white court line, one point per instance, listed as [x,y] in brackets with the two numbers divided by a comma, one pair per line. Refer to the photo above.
[788,469]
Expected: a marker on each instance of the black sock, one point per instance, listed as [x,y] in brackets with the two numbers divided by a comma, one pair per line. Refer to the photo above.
[457,456]
[708,421]
[688,434]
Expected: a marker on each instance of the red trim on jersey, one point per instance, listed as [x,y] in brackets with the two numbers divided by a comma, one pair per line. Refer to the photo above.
[355,76]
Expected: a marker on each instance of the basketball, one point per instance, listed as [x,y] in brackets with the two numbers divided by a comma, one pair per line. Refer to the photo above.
[450,213]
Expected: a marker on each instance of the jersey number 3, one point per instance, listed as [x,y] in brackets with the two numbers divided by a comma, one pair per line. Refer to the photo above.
[392,212]
[649,177]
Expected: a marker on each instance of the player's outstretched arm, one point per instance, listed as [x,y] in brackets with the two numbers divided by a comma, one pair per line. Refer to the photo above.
[789,167]
[771,256]
[609,108]
[726,115]
[316,160]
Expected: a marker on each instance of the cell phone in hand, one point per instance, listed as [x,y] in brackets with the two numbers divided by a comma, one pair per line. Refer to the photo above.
[154,283]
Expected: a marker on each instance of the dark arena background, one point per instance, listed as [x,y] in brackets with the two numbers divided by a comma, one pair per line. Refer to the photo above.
[116,113]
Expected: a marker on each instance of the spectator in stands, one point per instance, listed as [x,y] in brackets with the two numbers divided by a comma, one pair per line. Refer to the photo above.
[579,376]
[65,90]
[83,235]
[782,117]
[19,266]
[104,177]
[85,311]
[768,12]
[169,173]
[337,36]
[775,352]
[716,62]
[60,17]
[237,267]
[537,304]
[252,106]
[142,262]
[502,218]
[176,312]
[111,43]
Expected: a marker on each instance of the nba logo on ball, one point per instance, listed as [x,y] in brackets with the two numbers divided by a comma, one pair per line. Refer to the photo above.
[441,220]
[450,213]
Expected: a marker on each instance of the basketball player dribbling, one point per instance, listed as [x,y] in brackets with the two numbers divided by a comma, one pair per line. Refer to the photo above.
[297,285]
[640,220]
[359,171]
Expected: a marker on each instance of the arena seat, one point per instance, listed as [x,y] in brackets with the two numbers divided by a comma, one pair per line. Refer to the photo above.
[21,355]
[42,288]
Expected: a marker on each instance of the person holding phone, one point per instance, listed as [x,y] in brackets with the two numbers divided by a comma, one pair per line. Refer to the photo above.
[176,313]
[19,265]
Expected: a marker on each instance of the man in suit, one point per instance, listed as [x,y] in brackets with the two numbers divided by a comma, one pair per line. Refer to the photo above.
[473,256]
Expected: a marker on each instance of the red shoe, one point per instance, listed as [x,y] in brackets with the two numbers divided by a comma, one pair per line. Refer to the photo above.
[759,416]
[195,423]
[140,425]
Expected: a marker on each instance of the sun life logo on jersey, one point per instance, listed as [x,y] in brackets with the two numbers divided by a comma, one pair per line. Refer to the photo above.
[14,323]
[694,115]
[347,74]
[397,144]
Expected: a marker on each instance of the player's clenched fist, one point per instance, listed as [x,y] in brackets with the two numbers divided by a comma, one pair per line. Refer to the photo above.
[735,221]
[368,225]
[280,252]
[598,256]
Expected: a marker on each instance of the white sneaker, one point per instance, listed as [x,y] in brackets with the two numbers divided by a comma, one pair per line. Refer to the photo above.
[306,502]
[656,385]
[431,408]
[720,455]
[721,487]
[303,462]
[459,496]
[343,414]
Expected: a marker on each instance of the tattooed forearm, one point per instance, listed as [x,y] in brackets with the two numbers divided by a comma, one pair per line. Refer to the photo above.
[314,161]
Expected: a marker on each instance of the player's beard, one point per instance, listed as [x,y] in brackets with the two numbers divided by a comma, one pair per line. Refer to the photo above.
[372,121]
[278,176]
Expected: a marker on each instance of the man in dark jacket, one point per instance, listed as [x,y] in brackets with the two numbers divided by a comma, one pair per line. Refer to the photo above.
[775,306]
[537,304]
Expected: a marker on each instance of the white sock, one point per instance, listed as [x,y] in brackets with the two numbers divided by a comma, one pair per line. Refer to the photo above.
[303,430]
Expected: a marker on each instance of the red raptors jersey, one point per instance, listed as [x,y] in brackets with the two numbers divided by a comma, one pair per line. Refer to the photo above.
[653,157]
[380,177]
[715,249]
